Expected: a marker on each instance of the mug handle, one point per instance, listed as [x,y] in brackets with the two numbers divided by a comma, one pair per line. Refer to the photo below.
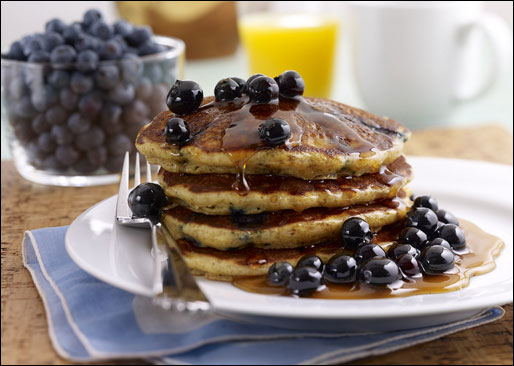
[498,37]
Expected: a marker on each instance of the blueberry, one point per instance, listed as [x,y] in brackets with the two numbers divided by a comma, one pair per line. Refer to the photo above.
[275,131]
[22,130]
[135,112]
[52,40]
[110,118]
[139,35]
[131,68]
[239,81]
[184,97]
[84,166]
[32,44]
[398,249]
[368,251]
[59,79]
[341,268]
[63,54]
[62,134]
[439,241]
[290,84]
[437,259]
[39,57]
[144,89]
[87,60]
[122,93]
[107,76]
[153,72]
[413,236]
[17,88]
[227,89]
[90,105]
[114,163]
[422,218]
[304,281]
[80,83]
[52,163]
[354,232]
[24,108]
[68,99]
[56,115]
[85,42]
[278,274]
[447,217]
[263,89]
[98,155]
[118,144]
[71,33]
[90,139]
[91,16]
[149,48]
[176,131]
[46,142]
[111,50]
[146,200]
[311,261]
[426,201]
[122,27]
[101,30]
[437,231]
[16,51]
[157,101]
[40,125]
[78,124]
[379,272]
[453,235]
[408,265]
[250,79]
[55,25]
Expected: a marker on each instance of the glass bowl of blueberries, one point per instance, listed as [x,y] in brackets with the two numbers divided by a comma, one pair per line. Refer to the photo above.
[75,96]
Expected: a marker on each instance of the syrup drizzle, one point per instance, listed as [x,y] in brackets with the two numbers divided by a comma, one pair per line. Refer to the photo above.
[338,130]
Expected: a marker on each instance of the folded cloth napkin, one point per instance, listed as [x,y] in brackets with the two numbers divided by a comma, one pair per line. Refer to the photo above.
[91,320]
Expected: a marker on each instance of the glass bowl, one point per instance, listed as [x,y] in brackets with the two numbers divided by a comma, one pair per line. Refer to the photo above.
[70,128]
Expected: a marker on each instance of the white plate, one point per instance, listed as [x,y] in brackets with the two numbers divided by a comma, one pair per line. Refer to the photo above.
[476,191]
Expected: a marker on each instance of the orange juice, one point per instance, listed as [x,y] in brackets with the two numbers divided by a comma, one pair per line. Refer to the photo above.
[302,42]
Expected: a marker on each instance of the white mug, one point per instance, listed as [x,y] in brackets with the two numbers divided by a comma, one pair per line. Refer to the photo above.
[415,61]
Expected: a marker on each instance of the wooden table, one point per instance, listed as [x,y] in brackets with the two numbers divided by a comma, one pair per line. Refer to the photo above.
[28,206]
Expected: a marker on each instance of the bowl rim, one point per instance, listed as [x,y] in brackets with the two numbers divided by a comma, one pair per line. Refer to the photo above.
[177,48]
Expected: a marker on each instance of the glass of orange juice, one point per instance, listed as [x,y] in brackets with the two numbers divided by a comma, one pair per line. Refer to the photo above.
[277,39]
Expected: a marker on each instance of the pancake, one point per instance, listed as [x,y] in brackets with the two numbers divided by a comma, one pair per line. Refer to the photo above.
[224,265]
[220,194]
[279,229]
[328,139]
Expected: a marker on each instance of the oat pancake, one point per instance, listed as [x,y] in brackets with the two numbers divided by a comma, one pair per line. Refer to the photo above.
[328,139]
[224,265]
[220,194]
[279,229]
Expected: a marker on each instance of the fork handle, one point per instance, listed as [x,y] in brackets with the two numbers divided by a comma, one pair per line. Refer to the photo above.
[157,286]
[177,282]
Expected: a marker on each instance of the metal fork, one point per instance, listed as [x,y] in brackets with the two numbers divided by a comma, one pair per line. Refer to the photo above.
[173,285]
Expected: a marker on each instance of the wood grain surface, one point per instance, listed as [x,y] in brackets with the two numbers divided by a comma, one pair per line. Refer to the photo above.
[26,206]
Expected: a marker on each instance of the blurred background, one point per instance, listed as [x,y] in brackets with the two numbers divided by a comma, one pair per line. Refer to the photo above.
[424,65]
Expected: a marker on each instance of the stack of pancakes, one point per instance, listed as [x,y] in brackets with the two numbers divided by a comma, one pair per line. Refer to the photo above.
[241,204]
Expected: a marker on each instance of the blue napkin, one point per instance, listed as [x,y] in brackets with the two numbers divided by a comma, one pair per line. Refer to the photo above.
[91,320]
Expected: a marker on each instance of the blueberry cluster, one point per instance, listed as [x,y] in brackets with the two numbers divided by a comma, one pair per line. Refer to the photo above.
[425,246]
[186,96]
[82,107]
